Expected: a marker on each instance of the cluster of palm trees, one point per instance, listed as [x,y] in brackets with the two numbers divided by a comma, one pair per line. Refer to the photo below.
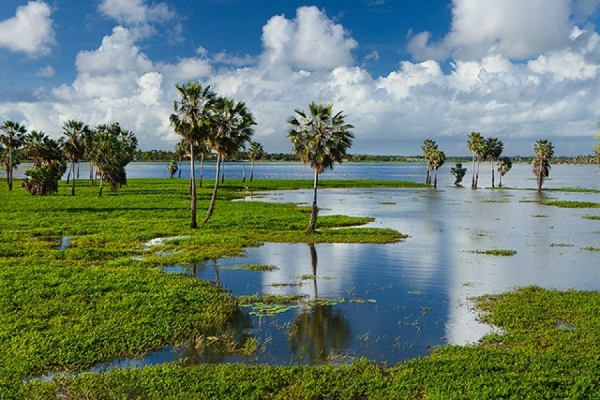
[491,149]
[209,123]
[108,148]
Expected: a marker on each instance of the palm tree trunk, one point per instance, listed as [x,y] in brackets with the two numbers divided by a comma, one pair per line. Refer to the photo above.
[179,176]
[314,210]
[69,174]
[492,161]
[251,171]
[213,199]
[73,182]
[428,177]
[100,189]
[540,177]
[435,178]
[243,173]
[473,186]
[201,168]
[223,172]
[499,179]
[9,169]
[193,223]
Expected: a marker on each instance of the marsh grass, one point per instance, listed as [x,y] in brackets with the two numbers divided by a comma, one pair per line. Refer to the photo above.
[495,252]
[570,204]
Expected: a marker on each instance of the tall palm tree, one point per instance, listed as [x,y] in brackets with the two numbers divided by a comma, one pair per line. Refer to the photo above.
[230,130]
[476,145]
[12,139]
[427,147]
[437,159]
[504,165]
[73,145]
[544,151]
[319,139]
[191,116]
[255,153]
[494,148]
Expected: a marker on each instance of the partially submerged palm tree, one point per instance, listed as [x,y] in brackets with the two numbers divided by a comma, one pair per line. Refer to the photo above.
[427,147]
[504,165]
[436,160]
[230,130]
[319,139]
[12,139]
[494,148]
[191,116]
[476,145]
[544,151]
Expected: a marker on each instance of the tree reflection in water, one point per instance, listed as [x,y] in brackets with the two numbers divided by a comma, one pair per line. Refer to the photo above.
[318,332]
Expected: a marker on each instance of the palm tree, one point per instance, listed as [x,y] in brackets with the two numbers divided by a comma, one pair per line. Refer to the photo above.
[255,153]
[437,159]
[230,130]
[111,150]
[172,168]
[12,139]
[494,148]
[428,146]
[544,151]
[319,139]
[476,145]
[49,164]
[504,165]
[190,121]
[73,146]
[459,173]
[180,152]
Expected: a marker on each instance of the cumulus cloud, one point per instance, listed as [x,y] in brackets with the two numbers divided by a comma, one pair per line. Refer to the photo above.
[516,29]
[311,41]
[554,93]
[135,11]
[29,31]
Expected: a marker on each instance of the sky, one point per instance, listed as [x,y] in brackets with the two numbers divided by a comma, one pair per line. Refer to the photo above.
[400,70]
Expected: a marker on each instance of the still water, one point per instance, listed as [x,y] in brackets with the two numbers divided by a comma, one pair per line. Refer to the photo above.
[394,302]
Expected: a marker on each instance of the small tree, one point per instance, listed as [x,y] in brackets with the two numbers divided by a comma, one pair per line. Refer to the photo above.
[476,144]
[459,173]
[494,148]
[12,139]
[49,164]
[172,168]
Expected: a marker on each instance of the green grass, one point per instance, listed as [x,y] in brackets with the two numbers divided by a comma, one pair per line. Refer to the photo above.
[101,298]
[570,204]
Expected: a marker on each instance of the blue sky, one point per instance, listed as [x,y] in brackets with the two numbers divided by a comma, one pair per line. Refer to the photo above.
[401,70]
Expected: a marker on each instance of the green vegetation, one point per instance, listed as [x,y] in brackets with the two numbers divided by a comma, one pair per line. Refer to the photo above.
[549,349]
[496,252]
[66,309]
[570,204]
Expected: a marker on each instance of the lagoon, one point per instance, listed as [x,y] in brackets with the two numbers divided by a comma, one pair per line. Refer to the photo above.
[394,302]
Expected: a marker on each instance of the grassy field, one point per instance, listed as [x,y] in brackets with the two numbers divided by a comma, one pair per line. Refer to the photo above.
[68,309]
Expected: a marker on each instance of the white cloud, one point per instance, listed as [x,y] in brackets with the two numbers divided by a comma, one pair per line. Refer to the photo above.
[135,11]
[554,94]
[29,31]
[46,71]
[311,41]
[515,29]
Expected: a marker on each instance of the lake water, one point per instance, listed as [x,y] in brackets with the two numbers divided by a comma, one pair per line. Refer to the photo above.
[394,302]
